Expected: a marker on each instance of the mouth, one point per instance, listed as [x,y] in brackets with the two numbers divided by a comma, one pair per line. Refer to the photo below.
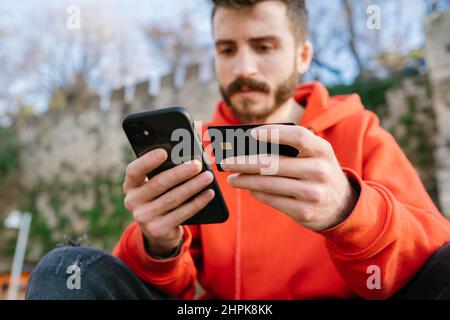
[245,89]
[246,92]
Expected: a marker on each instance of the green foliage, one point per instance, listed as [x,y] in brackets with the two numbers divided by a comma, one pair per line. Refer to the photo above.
[372,91]
[9,152]
[106,218]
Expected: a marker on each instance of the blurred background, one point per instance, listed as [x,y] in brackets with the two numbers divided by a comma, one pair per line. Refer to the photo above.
[71,70]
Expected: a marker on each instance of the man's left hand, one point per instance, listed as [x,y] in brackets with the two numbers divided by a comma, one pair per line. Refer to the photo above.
[311,188]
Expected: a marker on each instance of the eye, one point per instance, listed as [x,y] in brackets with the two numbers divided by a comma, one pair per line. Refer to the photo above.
[264,48]
[226,51]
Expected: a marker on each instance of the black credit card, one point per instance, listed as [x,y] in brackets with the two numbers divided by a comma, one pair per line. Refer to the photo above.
[236,140]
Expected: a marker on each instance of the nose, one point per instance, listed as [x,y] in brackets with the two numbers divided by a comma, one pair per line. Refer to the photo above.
[245,64]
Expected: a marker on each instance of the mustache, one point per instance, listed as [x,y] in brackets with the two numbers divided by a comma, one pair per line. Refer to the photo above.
[249,84]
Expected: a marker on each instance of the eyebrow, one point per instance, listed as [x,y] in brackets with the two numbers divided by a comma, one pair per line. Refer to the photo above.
[255,39]
[265,38]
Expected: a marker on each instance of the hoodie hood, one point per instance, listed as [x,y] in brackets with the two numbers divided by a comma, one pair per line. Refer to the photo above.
[321,110]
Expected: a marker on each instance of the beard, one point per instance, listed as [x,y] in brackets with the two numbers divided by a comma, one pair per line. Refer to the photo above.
[245,110]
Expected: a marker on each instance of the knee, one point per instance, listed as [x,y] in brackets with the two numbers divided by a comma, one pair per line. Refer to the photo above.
[58,260]
[441,257]
[59,272]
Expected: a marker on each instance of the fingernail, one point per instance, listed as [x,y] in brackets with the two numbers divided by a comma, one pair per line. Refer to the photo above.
[161,154]
[232,178]
[195,162]
[208,176]
[196,165]
[209,193]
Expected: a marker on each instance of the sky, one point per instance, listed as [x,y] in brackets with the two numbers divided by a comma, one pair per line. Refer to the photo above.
[127,16]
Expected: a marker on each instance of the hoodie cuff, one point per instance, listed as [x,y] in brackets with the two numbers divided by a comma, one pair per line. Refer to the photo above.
[366,224]
[151,268]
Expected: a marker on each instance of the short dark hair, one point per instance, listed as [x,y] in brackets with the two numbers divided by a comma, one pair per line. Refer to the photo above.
[296,12]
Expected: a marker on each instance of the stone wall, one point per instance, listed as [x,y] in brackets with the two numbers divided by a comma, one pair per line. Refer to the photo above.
[81,139]
[410,118]
[437,28]
[73,158]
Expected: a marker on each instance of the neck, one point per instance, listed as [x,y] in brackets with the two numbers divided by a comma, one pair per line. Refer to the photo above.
[290,111]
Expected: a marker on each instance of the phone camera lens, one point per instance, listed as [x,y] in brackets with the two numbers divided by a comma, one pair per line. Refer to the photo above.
[140,133]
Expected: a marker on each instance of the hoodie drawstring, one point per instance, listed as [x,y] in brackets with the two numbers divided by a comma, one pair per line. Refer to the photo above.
[237,252]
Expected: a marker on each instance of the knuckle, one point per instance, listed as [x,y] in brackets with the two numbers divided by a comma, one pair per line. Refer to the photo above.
[321,172]
[180,173]
[327,149]
[168,199]
[302,131]
[199,201]
[300,139]
[315,195]
[130,171]
[321,175]
[182,213]
[139,217]
[128,203]
[194,206]
[159,184]
[189,170]
[294,191]
[308,215]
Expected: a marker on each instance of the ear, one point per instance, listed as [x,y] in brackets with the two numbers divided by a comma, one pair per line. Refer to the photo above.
[304,56]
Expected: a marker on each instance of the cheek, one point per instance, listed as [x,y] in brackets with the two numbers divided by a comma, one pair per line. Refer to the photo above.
[277,68]
[223,72]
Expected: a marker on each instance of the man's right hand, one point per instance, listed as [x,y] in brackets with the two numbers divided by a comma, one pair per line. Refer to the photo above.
[157,204]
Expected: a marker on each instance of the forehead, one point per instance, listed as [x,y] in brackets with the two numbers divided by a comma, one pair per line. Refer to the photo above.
[262,19]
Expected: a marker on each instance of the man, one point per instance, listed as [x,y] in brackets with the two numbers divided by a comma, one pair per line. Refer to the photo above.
[348,217]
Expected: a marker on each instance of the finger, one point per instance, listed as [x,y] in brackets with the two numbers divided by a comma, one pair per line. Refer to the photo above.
[287,187]
[296,136]
[189,209]
[162,182]
[136,172]
[178,195]
[287,205]
[300,168]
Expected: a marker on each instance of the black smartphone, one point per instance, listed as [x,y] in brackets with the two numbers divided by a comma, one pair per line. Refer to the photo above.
[173,130]
[236,140]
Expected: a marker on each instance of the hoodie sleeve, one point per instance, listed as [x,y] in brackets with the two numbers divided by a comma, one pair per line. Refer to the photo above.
[394,228]
[175,276]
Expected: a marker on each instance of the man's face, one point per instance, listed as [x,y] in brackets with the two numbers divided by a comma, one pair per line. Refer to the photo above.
[256,58]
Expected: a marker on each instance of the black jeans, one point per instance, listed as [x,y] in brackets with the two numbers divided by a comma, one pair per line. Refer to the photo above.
[102,276]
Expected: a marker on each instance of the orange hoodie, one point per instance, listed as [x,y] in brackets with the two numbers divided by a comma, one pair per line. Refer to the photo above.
[260,253]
